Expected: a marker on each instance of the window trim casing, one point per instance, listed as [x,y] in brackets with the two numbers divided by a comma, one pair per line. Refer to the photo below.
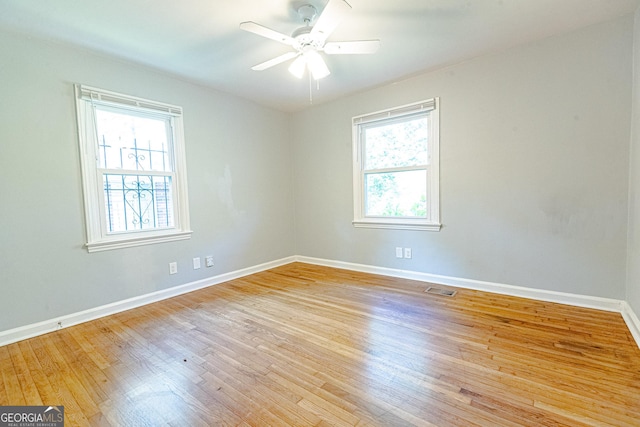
[97,239]
[432,222]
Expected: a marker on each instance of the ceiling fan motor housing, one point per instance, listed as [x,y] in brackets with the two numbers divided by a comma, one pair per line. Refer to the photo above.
[304,39]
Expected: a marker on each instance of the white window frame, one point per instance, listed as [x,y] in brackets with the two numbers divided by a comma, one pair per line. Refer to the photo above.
[87,99]
[431,222]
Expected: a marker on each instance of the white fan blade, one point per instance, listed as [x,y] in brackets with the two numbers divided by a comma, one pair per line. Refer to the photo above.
[330,18]
[354,47]
[275,61]
[263,31]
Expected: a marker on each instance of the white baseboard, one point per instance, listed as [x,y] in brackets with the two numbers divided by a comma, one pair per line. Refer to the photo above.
[618,306]
[29,331]
[632,321]
[606,304]
[498,288]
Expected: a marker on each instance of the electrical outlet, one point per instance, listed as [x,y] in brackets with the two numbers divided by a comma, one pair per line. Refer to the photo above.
[173,267]
[196,263]
[407,253]
[209,261]
[398,252]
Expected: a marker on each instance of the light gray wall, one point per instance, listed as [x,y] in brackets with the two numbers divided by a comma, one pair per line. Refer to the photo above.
[534,168]
[240,189]
[633,253]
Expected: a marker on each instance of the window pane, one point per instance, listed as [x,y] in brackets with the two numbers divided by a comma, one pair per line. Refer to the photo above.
[132,142]
[136,202]
[396,194]
[396,144]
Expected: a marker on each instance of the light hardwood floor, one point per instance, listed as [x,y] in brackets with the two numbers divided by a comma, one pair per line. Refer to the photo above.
[306,345]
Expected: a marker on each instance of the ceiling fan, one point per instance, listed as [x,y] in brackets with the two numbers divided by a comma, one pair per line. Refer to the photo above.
[308,41]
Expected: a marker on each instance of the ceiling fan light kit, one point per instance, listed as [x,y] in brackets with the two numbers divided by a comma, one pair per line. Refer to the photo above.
[308,41]
[316,64]
[297,67]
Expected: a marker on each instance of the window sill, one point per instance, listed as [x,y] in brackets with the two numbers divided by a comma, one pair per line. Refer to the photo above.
[397,225]
[129,241]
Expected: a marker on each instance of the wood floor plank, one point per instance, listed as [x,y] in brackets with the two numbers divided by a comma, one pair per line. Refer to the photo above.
[304,345]
[62,380]
[11,383]
[22,371]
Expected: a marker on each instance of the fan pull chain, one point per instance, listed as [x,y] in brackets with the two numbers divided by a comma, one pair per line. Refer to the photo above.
[311,88]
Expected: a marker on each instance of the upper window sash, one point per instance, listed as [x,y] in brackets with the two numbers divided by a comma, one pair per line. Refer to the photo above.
[170,136]
[385,121]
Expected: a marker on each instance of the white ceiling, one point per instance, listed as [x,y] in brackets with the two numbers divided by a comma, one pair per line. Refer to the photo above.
[200,41]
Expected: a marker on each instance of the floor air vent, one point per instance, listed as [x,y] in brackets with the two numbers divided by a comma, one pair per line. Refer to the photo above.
[442,292]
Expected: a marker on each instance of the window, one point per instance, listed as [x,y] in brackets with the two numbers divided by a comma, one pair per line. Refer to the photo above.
[395,170]
[133,170]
